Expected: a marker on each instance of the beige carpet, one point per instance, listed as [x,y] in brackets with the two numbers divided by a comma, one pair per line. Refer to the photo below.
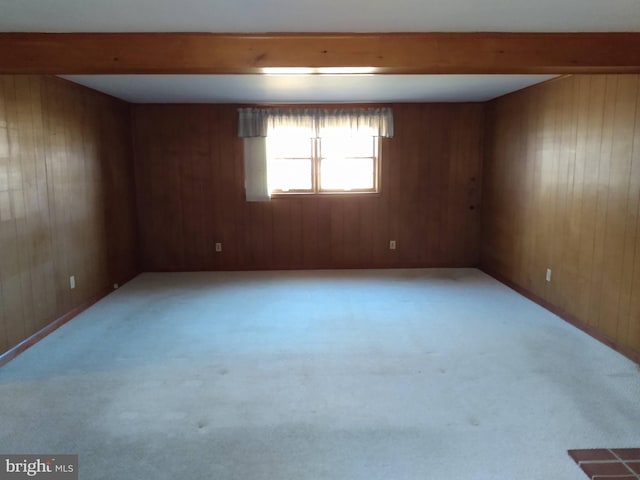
[395,374]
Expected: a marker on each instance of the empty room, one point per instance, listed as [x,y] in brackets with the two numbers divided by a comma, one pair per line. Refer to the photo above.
[292,240]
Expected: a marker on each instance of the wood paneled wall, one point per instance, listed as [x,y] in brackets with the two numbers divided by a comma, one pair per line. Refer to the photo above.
[190,192]
[562,191]
[66,200]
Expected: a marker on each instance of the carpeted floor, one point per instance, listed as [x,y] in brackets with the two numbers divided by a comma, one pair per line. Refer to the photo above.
[394,374]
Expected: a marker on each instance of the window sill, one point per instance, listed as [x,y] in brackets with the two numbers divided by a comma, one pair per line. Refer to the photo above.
[280,196]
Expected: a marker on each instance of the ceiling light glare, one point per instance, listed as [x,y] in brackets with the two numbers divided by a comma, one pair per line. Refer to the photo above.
[288,70]
[319,70]
[346,70]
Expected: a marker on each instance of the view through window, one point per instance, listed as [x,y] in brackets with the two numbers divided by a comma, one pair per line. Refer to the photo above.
[335,160]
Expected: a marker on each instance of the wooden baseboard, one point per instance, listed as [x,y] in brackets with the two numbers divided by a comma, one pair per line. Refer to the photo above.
[290,267]
[16,350]
[630,353]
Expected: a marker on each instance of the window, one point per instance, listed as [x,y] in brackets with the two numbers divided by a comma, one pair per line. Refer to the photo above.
[312,150]
[337,160]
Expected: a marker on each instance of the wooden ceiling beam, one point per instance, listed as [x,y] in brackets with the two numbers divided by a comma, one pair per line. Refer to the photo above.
[388,53]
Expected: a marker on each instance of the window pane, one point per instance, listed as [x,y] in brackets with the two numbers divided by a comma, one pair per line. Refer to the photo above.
[347,174]
[290,174]
[344,146]
[326,132]
[289,142]
[345,159]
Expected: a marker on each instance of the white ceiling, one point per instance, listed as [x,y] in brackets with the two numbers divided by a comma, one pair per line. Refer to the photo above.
[305,88]
[317,16]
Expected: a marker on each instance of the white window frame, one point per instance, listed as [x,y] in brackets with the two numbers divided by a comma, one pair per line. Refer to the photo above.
[315,151]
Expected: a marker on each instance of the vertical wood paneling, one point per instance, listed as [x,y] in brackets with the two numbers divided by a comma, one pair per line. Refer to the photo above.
[5,216]
[66,200]
[191,197]
[617,219]
[630,301]
[10,269]
[561,191]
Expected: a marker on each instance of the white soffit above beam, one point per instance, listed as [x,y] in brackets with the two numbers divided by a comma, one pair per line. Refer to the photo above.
[306,88]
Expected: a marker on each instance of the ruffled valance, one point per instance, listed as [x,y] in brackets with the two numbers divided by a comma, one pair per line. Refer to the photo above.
[256,122]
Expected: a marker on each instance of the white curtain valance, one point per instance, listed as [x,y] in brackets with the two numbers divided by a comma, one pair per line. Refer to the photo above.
[256,122]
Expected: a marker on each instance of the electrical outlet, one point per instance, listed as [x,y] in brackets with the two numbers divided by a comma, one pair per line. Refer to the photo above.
[548,277]
[218,247]
[392,244]
[72,282]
